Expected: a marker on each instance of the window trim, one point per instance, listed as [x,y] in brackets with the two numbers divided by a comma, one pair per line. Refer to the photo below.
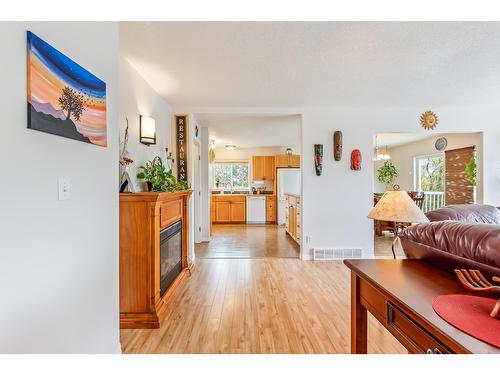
[416,171]
[231,161]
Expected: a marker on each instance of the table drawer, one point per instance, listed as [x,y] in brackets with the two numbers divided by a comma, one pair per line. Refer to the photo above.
[415,338]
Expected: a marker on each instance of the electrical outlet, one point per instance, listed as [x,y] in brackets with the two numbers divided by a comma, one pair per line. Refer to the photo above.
[64,188]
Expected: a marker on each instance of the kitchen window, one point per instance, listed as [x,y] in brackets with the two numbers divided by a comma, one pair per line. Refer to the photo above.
[231,175]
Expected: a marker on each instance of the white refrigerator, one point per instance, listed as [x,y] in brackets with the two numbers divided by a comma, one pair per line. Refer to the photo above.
[289,181]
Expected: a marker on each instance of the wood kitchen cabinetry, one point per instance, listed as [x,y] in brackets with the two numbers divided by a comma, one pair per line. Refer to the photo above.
[263,168]
[270,209]
[293,216]
[287,161]
[229,209]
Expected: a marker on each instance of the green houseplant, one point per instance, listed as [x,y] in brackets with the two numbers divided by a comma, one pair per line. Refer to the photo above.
[471,170]
[387,174]
[158,178]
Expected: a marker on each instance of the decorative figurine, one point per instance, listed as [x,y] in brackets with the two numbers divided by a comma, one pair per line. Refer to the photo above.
[337,145]
[318,158]
[476,282]
[356,160]
[429,120]
[125,161]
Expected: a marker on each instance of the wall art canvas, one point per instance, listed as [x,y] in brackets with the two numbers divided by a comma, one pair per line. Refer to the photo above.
[64,98]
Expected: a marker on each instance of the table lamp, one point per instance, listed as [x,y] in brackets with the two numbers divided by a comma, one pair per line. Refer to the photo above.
[397,206]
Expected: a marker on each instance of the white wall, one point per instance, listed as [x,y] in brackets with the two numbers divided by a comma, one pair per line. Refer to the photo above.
[138,98]
[246,153]
[335,205]
[59,259]
[402,156]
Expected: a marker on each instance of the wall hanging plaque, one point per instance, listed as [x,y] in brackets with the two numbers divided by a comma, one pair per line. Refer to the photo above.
[181,138]
[429,120]
[441,143]
[337,145]
[356,160]
[318,158]
[64,98]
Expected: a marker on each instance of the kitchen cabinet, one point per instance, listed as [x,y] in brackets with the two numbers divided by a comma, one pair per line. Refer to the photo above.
[263,168]
[287,161]
[271,208]
[293,216]
[229,209]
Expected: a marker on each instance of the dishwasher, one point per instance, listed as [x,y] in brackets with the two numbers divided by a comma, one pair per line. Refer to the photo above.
[256,209]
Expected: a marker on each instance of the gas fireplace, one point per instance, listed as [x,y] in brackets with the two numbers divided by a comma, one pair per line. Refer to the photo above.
[170,255]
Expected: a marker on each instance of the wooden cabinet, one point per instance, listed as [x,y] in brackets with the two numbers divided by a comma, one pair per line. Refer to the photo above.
[143,304]
[287,161]
[229,209]
[222,211]
[263,168]
[270,208]
[293,216]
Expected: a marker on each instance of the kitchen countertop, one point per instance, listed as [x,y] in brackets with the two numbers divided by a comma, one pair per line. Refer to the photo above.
[240,195]
[293,195]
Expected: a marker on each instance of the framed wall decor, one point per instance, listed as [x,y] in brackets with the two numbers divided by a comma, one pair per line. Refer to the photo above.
[64,98]
[181,141]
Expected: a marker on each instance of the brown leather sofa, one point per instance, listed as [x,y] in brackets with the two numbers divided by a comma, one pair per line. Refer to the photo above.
[463,239]
[471,213]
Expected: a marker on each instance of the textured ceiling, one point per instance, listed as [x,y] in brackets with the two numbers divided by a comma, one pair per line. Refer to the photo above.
[248,131]
[308,64]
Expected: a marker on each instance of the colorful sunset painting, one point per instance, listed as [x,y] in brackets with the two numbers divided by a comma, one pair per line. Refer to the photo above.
[64,98]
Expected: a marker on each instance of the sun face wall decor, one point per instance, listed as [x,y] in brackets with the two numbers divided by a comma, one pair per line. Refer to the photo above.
[429,120]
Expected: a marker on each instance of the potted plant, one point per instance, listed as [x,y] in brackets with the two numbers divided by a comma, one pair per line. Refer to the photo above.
[471,173]
[387,174]
[158,178]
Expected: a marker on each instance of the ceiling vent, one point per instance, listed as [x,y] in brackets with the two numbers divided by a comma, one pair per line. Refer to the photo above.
[336,254]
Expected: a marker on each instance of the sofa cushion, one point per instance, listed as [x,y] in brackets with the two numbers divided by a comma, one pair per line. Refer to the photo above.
[473,213]
[453,244]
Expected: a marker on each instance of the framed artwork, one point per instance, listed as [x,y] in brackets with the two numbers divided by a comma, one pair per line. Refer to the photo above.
[64,98]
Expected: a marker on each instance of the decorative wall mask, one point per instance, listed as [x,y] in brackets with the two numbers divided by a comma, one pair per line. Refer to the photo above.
[337,145]
[318,158]
[356,160]
[429,120]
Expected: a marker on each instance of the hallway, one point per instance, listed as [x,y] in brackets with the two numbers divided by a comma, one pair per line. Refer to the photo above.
[266,305]
[248,241]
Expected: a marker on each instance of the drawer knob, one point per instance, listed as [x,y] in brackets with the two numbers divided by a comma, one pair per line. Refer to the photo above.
[433,351]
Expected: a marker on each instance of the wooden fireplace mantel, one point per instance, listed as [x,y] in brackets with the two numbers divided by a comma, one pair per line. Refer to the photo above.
[142,217]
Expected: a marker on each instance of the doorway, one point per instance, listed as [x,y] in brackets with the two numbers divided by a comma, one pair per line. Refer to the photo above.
[436,169]
[250,155]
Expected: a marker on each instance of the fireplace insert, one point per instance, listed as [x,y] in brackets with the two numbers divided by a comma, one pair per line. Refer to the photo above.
[170,255]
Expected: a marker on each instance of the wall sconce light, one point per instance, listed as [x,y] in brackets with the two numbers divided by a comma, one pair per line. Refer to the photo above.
[147,131]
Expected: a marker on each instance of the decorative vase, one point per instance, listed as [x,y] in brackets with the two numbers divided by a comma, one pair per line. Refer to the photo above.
[318,158]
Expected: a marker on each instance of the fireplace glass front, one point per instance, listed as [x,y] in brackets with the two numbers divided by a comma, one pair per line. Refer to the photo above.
[170,255]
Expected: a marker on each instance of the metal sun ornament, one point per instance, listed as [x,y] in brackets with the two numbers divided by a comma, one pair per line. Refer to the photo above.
[429,120]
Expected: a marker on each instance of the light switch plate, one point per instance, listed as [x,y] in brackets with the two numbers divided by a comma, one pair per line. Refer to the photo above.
[64,188]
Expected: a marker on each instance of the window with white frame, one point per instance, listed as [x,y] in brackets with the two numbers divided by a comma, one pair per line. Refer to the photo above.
[231,175]
[429,172]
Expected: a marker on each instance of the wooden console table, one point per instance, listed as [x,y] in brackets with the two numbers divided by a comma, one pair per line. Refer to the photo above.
[399,294]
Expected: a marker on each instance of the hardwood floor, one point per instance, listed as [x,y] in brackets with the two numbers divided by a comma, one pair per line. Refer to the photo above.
[382,247]
[266,305]
[248,241]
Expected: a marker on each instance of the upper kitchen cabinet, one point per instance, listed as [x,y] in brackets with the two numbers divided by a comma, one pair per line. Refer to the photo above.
[263,168]
[287,161]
